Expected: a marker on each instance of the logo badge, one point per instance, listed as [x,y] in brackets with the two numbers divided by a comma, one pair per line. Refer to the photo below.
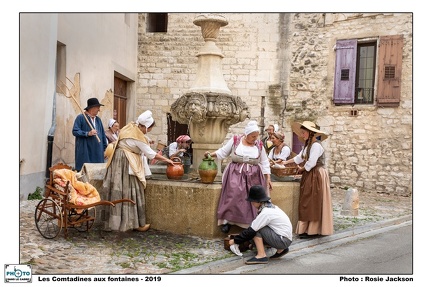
[18,273]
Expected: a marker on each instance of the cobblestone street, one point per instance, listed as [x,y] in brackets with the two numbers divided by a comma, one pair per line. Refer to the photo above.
[156,252]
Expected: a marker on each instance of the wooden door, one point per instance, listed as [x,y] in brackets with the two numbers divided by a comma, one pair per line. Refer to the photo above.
[120,101]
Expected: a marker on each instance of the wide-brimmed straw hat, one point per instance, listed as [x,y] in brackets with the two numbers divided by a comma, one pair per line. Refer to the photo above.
[109,150]
[296,127]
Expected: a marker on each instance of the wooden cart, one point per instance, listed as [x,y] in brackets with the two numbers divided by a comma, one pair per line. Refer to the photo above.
[55,212]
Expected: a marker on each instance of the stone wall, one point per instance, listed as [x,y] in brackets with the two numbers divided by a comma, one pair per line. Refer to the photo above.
[282,65]
[373,150]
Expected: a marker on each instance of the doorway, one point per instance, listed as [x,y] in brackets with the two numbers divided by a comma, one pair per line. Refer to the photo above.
[120,101]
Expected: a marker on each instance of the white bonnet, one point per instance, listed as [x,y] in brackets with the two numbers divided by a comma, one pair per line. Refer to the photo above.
[111,122]
[146,119]
[251,127]
[276,127]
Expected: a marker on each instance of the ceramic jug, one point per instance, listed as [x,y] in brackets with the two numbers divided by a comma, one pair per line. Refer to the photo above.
[175,171]
[208,170]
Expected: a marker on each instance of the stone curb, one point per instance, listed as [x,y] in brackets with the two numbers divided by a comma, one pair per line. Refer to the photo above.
[230,264]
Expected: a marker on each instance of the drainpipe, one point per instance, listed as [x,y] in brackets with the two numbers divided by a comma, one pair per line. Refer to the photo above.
[51,137]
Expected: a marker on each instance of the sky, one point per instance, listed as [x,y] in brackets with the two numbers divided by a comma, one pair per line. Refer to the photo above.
[10,79]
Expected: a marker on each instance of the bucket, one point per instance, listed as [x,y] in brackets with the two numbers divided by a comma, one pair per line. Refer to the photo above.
[187,162]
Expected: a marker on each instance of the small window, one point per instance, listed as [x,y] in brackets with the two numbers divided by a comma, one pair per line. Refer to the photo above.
[389,72]
[345,75]
[157,22]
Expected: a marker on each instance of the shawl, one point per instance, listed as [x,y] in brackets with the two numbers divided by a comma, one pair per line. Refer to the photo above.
[131,131]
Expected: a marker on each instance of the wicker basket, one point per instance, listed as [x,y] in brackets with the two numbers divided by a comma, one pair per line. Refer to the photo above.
[281,172]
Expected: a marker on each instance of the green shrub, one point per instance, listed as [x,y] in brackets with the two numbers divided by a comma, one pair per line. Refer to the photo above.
[36,195]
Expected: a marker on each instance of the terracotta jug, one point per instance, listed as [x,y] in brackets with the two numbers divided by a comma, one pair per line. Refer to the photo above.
[208,170]
[175,171]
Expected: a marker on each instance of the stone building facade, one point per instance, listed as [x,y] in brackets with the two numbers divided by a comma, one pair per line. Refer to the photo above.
[283,66]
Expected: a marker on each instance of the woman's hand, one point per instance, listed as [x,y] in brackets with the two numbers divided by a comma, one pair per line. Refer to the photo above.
[206,154]
[300,169]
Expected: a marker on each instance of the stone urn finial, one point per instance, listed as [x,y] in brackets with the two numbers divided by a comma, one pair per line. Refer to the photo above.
[210,25]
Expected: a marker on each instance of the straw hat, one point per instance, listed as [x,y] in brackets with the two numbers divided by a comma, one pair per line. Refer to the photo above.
[109,150]
[296,127]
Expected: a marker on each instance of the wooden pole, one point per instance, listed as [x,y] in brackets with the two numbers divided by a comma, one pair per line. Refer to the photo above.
[82,110]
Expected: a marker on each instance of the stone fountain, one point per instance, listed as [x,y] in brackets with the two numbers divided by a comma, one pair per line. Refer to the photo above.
[208,107]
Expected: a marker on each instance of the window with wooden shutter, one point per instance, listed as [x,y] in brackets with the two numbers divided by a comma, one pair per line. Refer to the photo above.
[345,71]
[389,70]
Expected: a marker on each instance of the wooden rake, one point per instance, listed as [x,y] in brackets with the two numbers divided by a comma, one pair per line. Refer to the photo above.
[69,94]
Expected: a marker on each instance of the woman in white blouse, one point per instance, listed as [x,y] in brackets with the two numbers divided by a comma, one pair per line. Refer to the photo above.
[280,151]
[249,166]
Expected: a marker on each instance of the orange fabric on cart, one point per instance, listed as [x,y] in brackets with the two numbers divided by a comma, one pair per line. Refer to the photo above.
[81,193]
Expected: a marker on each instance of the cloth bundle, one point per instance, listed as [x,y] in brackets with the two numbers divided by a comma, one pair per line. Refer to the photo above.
[80,193]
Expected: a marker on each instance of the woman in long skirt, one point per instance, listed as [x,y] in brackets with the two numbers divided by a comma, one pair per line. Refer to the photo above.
[249,166]
[315,205]
[127,169]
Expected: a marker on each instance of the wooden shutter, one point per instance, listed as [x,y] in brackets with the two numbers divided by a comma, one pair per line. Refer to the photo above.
[389,70]
[345,71]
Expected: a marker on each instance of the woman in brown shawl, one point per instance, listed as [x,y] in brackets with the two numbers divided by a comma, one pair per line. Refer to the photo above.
[127,169]
[315,206]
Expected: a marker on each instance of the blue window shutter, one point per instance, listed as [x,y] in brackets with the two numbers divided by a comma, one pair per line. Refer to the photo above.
[345,71]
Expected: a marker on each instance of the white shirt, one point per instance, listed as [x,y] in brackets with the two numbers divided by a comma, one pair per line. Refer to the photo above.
[173,149]
[283,155]
[316,151]
[245,151]
[274,218]
[145,150]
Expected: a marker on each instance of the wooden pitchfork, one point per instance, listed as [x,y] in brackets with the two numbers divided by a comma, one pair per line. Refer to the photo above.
[69,95]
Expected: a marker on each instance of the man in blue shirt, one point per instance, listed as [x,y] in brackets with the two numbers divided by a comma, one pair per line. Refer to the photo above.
[90,140]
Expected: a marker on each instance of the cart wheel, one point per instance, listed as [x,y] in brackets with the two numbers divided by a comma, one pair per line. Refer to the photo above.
[88,215]
[48,218]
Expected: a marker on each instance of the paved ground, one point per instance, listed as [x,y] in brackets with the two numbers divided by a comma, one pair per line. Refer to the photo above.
[156,252]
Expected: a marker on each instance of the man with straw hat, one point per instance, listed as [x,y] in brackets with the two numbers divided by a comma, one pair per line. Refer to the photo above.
[315,206]
[90,139]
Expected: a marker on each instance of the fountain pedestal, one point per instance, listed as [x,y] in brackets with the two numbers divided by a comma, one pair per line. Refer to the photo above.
[209,108]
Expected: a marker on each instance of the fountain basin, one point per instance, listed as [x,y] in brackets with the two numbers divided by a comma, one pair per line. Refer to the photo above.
[190,208]
[187,206]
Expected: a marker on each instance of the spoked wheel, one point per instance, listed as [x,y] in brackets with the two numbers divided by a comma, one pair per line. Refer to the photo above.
[48,218]
[82,221]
